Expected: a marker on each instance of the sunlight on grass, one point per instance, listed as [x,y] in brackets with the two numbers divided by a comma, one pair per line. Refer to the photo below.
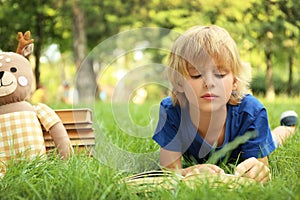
[83,177]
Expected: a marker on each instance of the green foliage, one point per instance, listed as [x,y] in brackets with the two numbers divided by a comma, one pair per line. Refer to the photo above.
[258,85]
[29,15]
[256,25]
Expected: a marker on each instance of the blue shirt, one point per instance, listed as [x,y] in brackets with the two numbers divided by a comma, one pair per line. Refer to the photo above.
[175,132]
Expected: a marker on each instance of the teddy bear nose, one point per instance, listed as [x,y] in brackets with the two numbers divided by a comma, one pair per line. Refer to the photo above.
[1,74]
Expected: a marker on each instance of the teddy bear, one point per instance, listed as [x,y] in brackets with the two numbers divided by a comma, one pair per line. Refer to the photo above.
[21,133]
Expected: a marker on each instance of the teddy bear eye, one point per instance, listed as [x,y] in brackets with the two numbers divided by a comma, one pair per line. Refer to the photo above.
[13,69]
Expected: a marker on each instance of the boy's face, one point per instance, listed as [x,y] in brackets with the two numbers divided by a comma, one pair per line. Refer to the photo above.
[209,87]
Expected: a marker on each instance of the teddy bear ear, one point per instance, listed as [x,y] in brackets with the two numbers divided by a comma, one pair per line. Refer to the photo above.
[27,50]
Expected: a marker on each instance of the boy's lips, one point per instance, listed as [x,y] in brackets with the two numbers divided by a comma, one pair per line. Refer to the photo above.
[209,96]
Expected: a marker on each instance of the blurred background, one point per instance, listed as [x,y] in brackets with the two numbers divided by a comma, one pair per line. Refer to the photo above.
[66,32]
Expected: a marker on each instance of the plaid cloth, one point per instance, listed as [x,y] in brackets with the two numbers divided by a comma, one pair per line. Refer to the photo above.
[46,115]
[21,134]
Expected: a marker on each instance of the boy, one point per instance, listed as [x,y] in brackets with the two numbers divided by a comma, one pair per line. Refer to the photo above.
[210,106]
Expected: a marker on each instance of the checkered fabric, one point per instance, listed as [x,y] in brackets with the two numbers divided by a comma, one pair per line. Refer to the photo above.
[46,115]
[21,134]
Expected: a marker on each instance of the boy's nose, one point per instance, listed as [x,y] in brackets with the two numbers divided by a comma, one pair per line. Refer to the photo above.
[209,82]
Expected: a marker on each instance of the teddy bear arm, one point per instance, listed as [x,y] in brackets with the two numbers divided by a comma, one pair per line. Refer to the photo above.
[61,140]
[52,123]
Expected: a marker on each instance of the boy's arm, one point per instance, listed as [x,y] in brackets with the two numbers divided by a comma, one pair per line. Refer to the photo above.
[254,168]
[171,160]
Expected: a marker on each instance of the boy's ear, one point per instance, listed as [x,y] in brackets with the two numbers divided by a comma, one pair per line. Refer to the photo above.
[179,86]
[235,83]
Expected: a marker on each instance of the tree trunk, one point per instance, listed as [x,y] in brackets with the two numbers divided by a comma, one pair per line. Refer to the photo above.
[79,35]
[270,93]
[38,47]
[86,79]
[86,82]
[290,81]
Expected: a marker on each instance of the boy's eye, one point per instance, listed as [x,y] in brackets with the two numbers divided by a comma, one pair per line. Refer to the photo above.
[196,76]
[220,75]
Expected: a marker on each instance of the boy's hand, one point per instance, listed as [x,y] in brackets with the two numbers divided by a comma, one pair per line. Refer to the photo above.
[254,169]
[203,168]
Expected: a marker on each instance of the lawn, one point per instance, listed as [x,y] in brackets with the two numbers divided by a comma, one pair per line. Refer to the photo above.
[125,147]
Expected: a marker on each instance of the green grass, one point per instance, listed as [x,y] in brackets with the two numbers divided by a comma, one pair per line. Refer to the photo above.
[120,153]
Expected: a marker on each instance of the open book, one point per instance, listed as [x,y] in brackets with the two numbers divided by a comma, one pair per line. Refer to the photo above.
[151,180]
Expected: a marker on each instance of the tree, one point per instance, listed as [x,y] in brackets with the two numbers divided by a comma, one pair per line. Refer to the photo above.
[79,26]
[265,27]
[291,23]
[86,78]
[41,17]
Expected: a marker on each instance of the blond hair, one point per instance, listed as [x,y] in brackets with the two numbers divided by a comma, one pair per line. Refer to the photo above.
[200,43]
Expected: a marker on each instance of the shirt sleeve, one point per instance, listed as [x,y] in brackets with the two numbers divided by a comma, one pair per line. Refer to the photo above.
[262,145]
[46,115]
[167,133]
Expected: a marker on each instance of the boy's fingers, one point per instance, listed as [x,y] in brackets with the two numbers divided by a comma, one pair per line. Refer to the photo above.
[254,169]
[217,169]
[206,168]
[245,166]
[266,178]
[264,174]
